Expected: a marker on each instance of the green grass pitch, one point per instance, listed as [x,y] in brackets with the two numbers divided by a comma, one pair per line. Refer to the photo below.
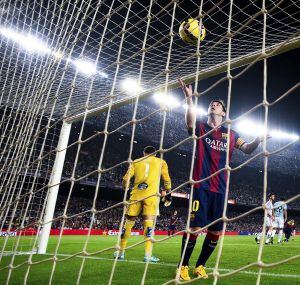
[237,251]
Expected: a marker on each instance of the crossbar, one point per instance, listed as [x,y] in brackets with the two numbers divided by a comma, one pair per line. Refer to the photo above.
[203,74]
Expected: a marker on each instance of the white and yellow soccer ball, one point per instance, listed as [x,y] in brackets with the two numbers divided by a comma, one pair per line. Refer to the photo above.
[190,30]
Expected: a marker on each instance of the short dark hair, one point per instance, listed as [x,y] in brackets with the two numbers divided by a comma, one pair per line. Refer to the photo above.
[271,194]
[149,149]
[221,102]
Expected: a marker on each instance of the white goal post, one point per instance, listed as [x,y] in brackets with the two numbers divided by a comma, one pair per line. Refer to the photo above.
[53,188]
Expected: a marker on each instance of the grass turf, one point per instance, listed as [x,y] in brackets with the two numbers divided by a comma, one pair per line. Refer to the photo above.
[237,251]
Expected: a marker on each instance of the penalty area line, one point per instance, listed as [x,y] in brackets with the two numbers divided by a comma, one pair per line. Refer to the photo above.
[175,265]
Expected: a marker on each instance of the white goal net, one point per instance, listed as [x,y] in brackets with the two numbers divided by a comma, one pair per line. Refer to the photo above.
[86,84]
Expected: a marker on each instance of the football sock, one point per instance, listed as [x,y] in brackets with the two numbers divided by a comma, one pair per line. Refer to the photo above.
[148,228]
[189,248]
[273,233]
[280,235]
[126,232]
[269,233]
[209,245]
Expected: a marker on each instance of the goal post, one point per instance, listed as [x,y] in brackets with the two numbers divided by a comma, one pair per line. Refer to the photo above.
[53,187]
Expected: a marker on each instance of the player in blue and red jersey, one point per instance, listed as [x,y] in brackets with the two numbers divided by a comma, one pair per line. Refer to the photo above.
[289,228]
[173,222]
[208,196]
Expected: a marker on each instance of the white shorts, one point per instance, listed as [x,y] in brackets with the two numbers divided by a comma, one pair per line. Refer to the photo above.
[269,222]
[278,223]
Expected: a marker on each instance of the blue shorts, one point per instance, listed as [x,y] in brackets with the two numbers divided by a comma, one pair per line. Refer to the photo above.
[207,207]
[172,227]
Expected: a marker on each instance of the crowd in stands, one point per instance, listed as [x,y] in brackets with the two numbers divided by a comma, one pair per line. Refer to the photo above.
[246,184]
[109,215]
[110,218]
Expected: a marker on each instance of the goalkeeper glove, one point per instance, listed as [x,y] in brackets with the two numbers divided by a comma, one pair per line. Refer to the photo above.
[167,199]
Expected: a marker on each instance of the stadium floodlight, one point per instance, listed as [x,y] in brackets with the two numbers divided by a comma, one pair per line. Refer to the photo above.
[198,110]
[27,41]
[283,135]
[58,54]
[248,127]
[85,67]
[35,45]
[131,86]
[103,74]
[166,99]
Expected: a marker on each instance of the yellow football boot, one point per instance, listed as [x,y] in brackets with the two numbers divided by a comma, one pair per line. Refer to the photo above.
[184,273]
[200,272]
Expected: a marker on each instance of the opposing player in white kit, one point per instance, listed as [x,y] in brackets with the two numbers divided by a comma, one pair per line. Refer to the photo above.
[269,220]
[280,210]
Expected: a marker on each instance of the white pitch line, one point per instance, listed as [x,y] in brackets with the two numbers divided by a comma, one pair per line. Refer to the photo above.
[271,245]
[249,245]
[175,265]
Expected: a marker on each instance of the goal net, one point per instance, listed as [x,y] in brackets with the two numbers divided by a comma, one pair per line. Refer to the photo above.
[86,84]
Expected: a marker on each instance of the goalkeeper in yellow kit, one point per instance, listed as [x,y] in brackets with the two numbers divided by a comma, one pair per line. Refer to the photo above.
[146,172]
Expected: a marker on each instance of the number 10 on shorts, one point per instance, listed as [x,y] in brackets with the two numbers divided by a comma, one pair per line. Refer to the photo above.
[195,206]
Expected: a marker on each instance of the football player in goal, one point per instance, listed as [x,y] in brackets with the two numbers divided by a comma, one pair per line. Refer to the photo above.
[146,172]
[208,196]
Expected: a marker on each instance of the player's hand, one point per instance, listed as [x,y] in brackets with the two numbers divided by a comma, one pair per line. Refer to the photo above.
[187,90]
[261,138]
[166,198]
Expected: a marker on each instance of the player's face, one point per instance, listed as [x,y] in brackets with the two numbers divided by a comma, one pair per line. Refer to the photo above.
[272,197]
[216,108]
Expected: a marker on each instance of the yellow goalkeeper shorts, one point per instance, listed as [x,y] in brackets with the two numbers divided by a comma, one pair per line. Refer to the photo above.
[149,206]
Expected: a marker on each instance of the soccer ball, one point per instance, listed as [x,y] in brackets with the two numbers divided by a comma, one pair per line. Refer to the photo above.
[189,31]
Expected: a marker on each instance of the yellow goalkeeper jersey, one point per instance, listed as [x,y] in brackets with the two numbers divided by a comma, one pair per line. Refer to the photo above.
[147,174]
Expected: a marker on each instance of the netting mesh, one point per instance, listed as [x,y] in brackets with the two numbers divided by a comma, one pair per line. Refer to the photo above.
[82,30]
[65,61]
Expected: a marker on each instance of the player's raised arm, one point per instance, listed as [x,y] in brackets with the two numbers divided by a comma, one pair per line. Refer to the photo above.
[248,148]
[190,115]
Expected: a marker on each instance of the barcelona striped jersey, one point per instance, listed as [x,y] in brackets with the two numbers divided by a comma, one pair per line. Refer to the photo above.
[211,156]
